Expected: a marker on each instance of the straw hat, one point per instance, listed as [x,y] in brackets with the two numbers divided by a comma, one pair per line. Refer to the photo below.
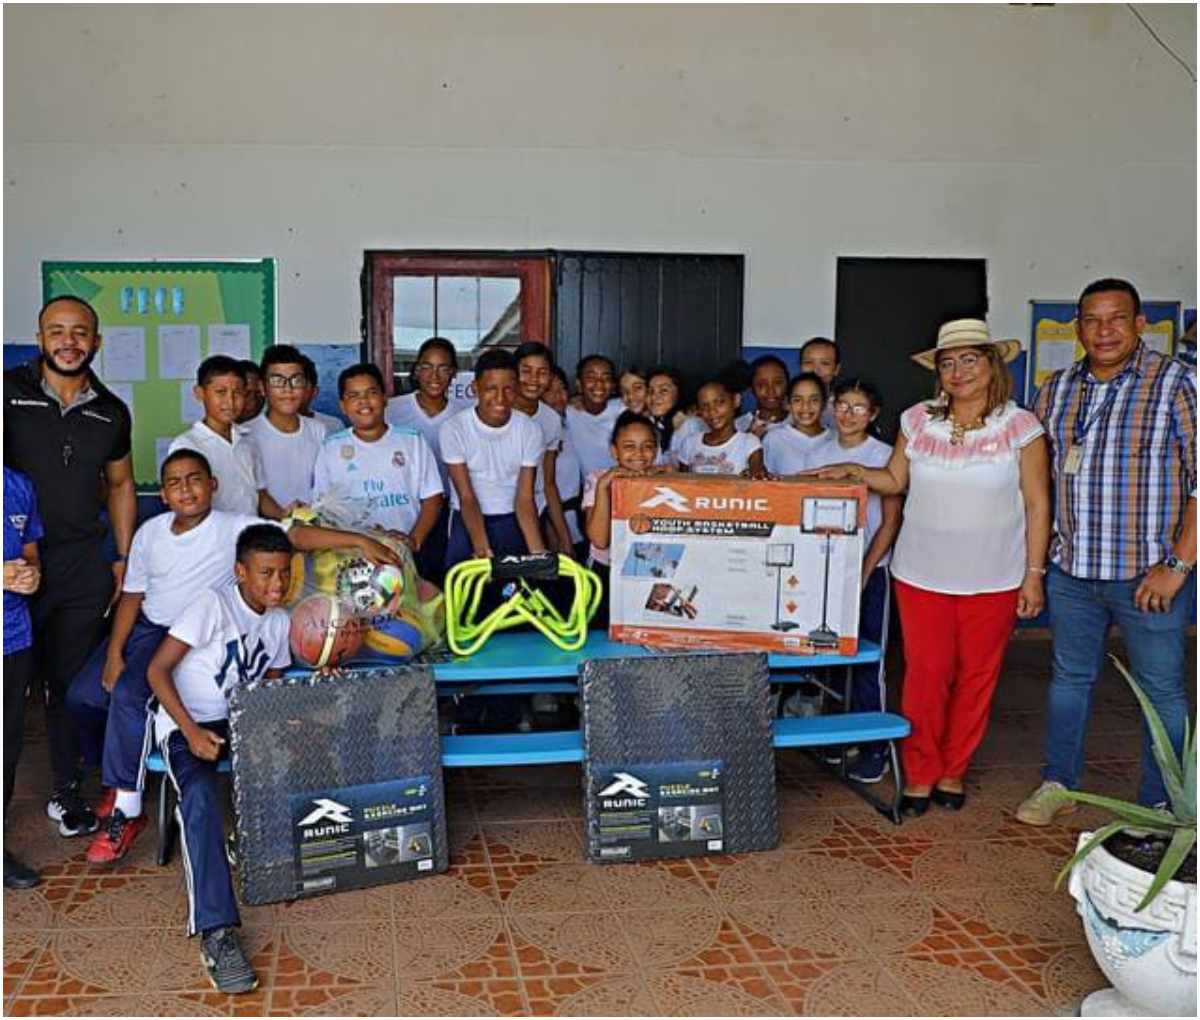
[966,333]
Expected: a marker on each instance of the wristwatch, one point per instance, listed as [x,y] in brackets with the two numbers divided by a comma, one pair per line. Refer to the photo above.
[1178,565]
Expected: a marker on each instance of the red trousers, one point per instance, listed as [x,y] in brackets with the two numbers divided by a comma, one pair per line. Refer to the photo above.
[953,651]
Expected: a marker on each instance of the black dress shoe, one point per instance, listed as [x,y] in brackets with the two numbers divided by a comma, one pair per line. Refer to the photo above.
[17,876]
[949,799]
[912,806]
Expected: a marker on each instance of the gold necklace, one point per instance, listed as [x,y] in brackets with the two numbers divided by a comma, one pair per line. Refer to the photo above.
[959,429]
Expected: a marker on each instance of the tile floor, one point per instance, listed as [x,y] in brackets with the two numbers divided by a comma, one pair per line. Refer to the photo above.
[946,915]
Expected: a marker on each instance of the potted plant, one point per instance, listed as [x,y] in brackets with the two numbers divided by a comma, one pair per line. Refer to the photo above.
[1134,883]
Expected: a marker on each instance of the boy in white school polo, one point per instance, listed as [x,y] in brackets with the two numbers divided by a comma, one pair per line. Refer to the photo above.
[391,466]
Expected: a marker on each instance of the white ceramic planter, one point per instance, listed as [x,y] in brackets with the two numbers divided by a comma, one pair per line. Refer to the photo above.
[1150,957]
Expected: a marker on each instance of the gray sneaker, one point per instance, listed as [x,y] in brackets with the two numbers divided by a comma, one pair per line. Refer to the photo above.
[1045,804]
[228,969]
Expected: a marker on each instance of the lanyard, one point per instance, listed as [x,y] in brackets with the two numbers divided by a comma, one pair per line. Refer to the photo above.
[1082,427]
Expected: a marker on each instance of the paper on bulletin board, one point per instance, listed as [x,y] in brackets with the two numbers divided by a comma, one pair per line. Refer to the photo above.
[1052,342]
[123,354]
[191,410]
[178,351]
[232,340]
[1162,325]
[123,391]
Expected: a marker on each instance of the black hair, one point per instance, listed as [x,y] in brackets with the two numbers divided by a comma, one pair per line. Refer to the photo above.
[813,378]
[492,359]
[438,343]
[311,373]
[262,538]
[364,368]
[720,379]
[248,367]
[635,370]
[218,364]
[587,359]
[532,349]
[77,300]
[736,376]
[1110,283]
[769,359]
[857,384]
[184,453]
[560,374]
[816,340]
[282,354]
[629,419]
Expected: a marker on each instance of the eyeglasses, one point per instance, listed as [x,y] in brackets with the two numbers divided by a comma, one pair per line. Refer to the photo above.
[443,370]
[287,382]
[854,410]
[947,365]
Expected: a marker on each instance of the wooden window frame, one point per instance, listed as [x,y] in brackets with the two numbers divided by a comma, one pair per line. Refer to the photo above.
[380,269]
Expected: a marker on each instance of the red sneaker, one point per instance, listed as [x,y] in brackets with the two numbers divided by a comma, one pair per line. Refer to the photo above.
[108,800]
[113,841]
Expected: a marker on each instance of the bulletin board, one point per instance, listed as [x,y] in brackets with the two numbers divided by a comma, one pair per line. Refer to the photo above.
[1052,341]
[159,320]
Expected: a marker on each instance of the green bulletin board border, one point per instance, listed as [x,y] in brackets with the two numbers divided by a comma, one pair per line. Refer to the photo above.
[79,278]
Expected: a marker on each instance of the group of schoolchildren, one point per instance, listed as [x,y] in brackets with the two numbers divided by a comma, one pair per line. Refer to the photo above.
[524,467]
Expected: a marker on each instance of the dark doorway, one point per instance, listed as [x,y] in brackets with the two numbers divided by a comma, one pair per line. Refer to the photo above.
[890,308]
[647,309]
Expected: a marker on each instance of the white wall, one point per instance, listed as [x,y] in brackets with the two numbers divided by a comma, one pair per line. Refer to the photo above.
[1058,143]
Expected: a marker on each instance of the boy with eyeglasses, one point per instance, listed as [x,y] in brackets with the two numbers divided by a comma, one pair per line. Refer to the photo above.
[285,442]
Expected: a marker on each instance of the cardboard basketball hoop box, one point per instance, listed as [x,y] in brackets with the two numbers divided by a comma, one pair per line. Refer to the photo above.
[709,561]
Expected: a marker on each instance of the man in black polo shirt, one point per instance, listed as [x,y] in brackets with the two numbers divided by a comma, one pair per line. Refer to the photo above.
[71,436]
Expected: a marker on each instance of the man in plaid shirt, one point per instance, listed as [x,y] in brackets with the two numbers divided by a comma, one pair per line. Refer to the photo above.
[1122,429]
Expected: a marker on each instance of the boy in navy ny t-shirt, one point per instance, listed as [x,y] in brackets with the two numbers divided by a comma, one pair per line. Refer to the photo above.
[22,574]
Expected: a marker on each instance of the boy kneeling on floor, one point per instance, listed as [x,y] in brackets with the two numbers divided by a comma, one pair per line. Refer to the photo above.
[225,637]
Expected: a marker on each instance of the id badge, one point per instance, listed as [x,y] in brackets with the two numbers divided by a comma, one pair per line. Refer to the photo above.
[1073,461]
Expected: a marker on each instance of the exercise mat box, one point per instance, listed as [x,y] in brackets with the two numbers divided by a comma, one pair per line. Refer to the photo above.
[703,561]
[678,758]
[337,782]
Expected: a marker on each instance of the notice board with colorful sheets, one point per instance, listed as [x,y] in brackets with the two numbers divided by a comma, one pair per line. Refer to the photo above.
[158,321]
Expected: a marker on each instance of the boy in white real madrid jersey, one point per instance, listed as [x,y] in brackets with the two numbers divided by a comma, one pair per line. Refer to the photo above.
[224,637]
[390,465]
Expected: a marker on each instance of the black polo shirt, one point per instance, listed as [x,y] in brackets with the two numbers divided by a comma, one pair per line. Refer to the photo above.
[64,452]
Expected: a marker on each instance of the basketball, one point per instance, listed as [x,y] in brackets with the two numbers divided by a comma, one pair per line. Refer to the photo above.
[398,639]
[324,632]
[367,587]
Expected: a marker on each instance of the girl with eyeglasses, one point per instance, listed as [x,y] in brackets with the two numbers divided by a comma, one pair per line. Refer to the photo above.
[427,408]
[857,404]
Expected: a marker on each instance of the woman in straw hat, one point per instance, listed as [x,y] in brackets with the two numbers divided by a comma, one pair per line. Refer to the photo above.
[971,554]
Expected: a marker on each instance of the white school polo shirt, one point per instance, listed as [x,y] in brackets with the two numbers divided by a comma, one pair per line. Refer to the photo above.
[232,465]
[284,461]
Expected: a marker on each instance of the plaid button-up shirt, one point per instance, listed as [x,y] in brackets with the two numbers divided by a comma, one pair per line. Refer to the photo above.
[1122,511]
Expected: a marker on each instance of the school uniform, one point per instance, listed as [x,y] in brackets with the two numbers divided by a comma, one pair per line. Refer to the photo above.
[232,463]
[229,644]
[406,410]
[170,571]
[788,451]
[284,461]
[591,435]
[731,457]
[494,457]
[392,475]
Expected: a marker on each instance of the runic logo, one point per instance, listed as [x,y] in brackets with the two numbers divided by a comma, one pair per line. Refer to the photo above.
[667,497]
[624,783]
[327,811]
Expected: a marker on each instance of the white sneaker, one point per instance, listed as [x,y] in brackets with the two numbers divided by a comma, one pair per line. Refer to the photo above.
[1045,804]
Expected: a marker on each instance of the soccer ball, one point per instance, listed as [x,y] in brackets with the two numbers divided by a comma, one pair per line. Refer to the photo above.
[367,587]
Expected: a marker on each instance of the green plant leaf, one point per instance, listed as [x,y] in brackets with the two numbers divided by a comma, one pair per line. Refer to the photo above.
[1098,837]
[1160,743]
[1129,812]
[1181,843]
